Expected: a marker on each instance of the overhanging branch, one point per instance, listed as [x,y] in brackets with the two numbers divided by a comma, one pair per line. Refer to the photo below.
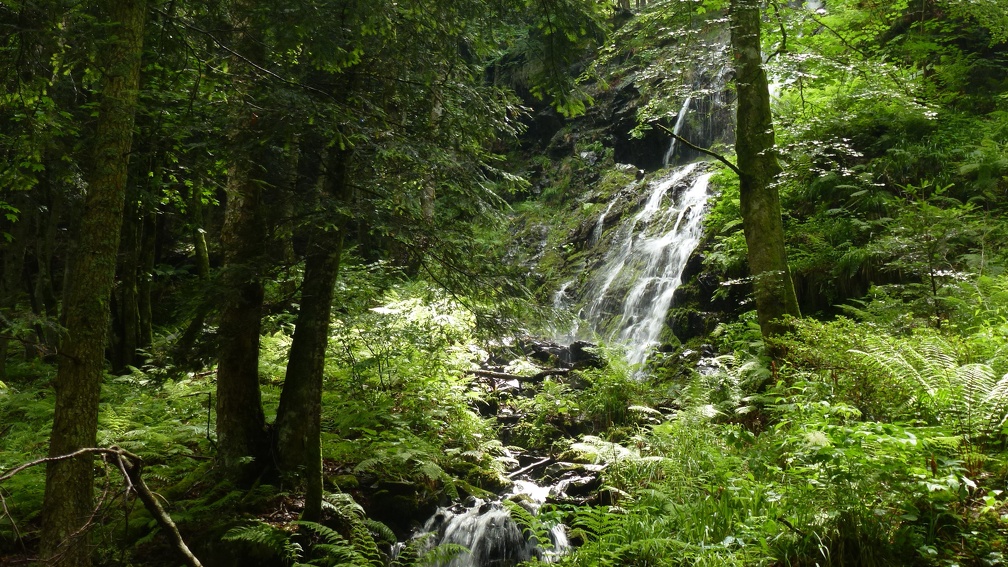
[711,153]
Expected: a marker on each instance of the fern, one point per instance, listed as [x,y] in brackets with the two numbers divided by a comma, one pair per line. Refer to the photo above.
[602,531]
[334,549]
[440,555]
[535,530]
[274,542]
[969,394]
[602,451]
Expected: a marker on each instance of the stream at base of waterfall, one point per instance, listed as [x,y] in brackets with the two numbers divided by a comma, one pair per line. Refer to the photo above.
[626,300]
[484,533]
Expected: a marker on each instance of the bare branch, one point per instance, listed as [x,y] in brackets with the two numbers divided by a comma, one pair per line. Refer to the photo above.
[711,153]
[130,465]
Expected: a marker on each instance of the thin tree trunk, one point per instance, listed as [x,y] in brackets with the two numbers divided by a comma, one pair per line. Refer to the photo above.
[44,301]
[145,282]
[759,168]
[184,346]
[298,423]
[127,312]
[69,491]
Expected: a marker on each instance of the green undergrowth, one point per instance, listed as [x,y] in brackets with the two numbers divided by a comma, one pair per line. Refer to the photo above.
[875,439]
[400,434]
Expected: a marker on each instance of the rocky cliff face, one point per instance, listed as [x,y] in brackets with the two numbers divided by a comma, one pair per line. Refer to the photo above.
[592,175]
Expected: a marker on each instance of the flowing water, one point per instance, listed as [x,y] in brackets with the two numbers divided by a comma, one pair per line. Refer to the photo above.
[677,130]
[487,530]
[630,293]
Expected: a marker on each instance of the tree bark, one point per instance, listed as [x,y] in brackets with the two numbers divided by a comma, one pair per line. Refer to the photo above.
[184,346]
[298,430]
[69,490]
[241,423]
[145,282]
[758,170]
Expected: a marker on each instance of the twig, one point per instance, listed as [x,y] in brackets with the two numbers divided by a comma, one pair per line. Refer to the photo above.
[77,453]
[790,526]
[690,144]
[782,48]
[17,532]
[535,465]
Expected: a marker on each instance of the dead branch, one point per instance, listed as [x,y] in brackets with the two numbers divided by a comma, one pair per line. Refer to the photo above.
[534,465]
[130,465]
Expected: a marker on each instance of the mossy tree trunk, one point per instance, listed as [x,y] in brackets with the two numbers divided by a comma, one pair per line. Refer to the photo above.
[69,491]
[758,170]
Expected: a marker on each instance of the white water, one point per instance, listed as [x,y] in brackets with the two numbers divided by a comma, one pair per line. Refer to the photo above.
[677,130]
[600,224]
[632,290]
[489,533]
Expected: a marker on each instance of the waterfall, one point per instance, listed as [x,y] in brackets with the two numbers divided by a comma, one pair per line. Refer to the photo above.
[677,130]
[629,295]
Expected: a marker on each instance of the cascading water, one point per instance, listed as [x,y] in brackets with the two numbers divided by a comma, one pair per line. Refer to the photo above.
[630,293]
[486,529]
[677,130]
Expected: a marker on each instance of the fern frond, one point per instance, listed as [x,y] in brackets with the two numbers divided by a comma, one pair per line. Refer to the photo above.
[997,401]
[267,538]
[380,531]
[441,555]
[327,534]
[343,505]
[602,451]
[977,382]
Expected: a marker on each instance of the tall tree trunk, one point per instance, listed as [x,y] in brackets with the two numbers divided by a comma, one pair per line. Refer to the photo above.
[241,422]
[44,300]
[183,348]
[758,165]
[298,427]
[148,257]
[69,490]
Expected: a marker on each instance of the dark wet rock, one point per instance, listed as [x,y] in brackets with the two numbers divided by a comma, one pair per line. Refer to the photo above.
[397,504]
[544,351]
[646,152]
[573,483]
[584,354]
[580,354]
